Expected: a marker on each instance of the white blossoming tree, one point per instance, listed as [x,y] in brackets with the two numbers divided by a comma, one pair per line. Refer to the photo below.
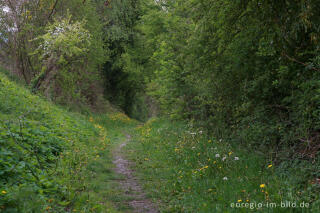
[64,51]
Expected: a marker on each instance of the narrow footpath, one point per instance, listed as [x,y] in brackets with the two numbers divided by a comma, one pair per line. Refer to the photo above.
[129,183]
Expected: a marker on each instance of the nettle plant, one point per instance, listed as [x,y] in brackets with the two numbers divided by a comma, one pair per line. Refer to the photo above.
[64,51]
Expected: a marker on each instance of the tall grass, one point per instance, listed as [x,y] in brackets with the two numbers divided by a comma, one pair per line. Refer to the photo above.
[191,172]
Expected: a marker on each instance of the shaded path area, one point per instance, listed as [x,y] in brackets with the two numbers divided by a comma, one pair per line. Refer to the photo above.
[137,198]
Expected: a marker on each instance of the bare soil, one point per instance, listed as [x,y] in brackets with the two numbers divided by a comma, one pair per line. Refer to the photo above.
[137,198]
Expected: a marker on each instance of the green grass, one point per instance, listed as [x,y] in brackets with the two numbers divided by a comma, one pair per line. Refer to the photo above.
[102,184]
[54,160]
[187,171]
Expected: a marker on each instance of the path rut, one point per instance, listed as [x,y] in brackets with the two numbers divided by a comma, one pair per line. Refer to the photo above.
[138,200]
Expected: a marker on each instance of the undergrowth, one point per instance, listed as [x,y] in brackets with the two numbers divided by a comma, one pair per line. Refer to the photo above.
[52,160]
[191,172]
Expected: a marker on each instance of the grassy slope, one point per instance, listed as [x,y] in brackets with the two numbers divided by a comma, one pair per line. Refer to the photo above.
[188,173]
[52,160]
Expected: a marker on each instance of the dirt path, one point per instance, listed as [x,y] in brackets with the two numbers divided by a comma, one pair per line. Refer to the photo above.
[129,183]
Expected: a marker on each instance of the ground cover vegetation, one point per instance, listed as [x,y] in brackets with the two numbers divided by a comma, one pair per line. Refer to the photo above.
[54,160]
[245,73]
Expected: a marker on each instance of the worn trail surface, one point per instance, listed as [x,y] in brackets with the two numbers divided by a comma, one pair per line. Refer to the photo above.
[129,183]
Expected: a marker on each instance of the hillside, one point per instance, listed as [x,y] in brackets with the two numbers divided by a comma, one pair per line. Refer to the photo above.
[45,154]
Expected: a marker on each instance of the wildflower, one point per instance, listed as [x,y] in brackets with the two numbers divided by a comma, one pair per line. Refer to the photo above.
[220,140]
[199,154]
[247,200]
[3,192]
[262,185]
[230,153]
[200,131]
[214,162]
[224,158]
[239,201]
[236,158]
[270,165]
[48,207]
[209,141]
[225,178]
[206,167]
[210,190]
[193,147]
[217,156]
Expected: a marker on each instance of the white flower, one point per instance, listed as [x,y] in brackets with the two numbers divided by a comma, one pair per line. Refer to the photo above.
[200,131]
[225,178]
[220,140]
[236,158]
[223,159]
[193,147]
[193,133]
[217,156]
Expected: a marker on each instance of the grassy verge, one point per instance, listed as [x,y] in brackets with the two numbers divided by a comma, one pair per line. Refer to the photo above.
[53,160]
[191,172]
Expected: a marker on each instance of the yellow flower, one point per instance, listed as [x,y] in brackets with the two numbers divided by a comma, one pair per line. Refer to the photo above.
[209,141]
[270,165]
[239,200]
[214,162]
[247,200]
[230,153]
[3,192]
[262,185]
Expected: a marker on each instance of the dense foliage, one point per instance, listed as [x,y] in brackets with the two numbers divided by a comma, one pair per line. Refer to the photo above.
[55,46]
[245,71]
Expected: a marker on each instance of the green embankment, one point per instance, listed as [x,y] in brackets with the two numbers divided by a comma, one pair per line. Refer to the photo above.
[53,160]
[191,172]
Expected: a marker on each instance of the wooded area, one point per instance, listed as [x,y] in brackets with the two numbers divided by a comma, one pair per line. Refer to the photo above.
[242,71]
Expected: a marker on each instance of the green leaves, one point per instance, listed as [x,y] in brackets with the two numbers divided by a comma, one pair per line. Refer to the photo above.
[37,162]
